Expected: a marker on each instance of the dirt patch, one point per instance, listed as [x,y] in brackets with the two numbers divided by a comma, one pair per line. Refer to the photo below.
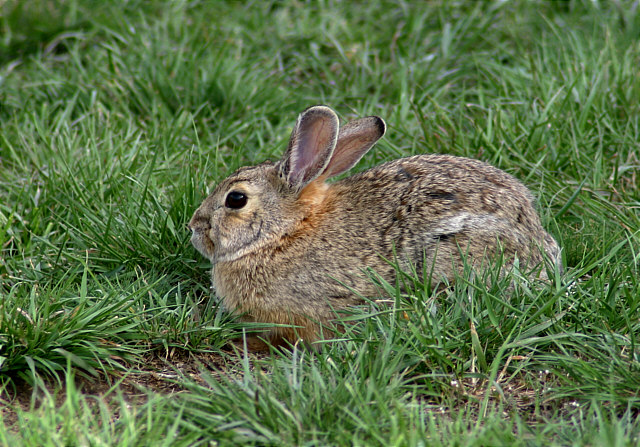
[166,373]
[158,373]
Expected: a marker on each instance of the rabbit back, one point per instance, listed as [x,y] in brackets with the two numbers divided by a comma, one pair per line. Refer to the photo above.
[438,208]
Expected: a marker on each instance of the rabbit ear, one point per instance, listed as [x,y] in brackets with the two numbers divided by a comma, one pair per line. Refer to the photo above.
[310,147]
[354,140]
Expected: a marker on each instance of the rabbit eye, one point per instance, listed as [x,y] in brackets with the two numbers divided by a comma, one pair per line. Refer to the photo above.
[235,200]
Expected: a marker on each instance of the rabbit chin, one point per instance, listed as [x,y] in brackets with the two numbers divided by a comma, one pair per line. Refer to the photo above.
[203,244]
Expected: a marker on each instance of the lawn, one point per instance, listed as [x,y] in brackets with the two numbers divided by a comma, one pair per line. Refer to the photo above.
[118,118]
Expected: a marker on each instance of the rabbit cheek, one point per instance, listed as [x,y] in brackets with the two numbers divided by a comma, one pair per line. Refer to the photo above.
[237,234]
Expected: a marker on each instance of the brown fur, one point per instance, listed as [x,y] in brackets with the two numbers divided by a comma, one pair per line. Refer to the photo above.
[298,250]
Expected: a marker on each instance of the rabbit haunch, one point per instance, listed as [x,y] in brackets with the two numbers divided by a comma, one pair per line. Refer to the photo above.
[297,249]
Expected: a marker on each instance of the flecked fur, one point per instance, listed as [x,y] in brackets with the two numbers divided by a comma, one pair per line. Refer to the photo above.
[298,250]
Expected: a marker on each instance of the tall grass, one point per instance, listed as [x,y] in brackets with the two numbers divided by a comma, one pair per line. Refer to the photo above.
[117,117]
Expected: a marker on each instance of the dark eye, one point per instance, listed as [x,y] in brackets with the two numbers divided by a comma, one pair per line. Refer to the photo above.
[235,200]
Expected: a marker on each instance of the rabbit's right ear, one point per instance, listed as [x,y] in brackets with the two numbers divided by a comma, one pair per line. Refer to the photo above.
[354,140]
[310,147]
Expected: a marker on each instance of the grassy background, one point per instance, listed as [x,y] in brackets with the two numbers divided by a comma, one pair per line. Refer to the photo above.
[115,119]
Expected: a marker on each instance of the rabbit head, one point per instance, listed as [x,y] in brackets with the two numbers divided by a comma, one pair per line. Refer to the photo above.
[257,204]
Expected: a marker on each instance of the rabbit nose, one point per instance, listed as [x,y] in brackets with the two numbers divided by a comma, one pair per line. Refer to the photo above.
[198,222]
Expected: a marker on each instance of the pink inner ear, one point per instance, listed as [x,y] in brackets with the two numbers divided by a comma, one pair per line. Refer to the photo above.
[311,145]
[313,139]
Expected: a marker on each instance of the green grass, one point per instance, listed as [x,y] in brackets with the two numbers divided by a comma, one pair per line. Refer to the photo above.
[117,117]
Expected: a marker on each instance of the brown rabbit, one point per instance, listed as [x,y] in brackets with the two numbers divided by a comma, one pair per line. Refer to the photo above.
[288,248]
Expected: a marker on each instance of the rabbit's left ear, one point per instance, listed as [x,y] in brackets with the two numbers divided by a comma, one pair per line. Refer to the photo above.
[310,147]
[354,140]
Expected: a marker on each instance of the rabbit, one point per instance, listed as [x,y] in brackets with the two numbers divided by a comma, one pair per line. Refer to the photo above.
[289,248]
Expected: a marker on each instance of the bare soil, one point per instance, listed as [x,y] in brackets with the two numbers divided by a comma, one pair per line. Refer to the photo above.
[157,373]
[164,373]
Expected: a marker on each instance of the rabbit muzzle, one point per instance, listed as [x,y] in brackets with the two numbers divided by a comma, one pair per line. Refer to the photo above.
[200,228]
